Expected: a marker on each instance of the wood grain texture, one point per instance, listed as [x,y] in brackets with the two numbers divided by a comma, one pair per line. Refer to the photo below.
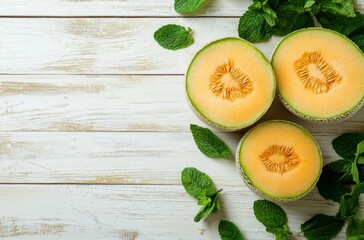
[114,103]
[103,45]
[116,158]
[134,212]
[118,8]
[115,8]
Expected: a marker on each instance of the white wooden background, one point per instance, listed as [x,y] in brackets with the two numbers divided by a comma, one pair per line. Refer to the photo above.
[94,124]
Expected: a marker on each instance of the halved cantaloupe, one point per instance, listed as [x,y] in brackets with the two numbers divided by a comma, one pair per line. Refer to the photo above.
[279,160]
[320,74]
[230,84]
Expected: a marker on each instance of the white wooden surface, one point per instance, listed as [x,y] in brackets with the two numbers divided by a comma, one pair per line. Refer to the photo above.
[94,124]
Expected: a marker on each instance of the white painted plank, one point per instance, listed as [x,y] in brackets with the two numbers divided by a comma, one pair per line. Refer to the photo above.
[115,8]
[233,8]
[116,158]
[103,45]
[114,103]
[134,212]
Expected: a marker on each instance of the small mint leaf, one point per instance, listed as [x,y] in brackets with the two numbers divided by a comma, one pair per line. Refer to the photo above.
[349,203]
[208,143]
[322,227]
[272,216]
[330,186]
[197,184]
[173,37]
[229,231]
[355,229]
[254,27]
[211,206]
[338,7]
[187,6]
[346,144]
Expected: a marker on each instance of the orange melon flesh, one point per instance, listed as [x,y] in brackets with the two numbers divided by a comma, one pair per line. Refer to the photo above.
[272,180]
[231,55]
[346,90]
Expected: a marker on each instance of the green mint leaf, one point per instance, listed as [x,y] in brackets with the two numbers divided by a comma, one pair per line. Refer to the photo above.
[359,149]
[289,20]
[272,216]
[359,41]
[360,160]
[349,203]
[208,143]
[254,27]
[338,7]
[270,16]
[330,186]
[187,6]
[354,168]
[197,184]
[322,227]
[209,207]
[339,166]
[309,3]
[348,26]
[355,172]
[355,229]
[173,37]
[229,231]
[346,144]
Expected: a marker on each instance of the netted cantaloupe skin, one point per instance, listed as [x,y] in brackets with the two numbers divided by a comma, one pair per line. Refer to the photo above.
[250,184]
[215,124]
[321,120]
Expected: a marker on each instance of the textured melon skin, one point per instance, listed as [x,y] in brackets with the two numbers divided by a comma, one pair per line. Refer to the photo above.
[340,117]
[251,185]
[211,123]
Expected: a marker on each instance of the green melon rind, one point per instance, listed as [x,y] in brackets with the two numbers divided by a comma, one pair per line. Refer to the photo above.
[334,119]
[216,125]
[255,189]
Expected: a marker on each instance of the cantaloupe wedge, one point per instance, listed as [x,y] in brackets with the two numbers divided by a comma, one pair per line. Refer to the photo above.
[320,74]
[230,84]
[279,160]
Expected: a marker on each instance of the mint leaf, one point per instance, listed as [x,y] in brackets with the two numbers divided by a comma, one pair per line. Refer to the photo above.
[197,184]
[322,227]
[346,144]
[272,216]
[291,18]
[339,166]
[329,185]
[254,27]
[173,37]
[354,168]
[211,205]
[229,231]
[187,6]
[349,203]
[208,143]
[360,160]
[355,229]
[344,25]
[338,7]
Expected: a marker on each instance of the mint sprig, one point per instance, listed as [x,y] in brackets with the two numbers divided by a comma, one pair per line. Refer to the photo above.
[355,229]
[349,203]
[229,231]
[273,217]
[208,143]
[322,227]
[200,186]
[173,37]
[187,6]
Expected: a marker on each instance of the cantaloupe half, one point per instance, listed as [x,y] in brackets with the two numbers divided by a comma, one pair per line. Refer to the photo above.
[279,160]
[320,74]
[230,84]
